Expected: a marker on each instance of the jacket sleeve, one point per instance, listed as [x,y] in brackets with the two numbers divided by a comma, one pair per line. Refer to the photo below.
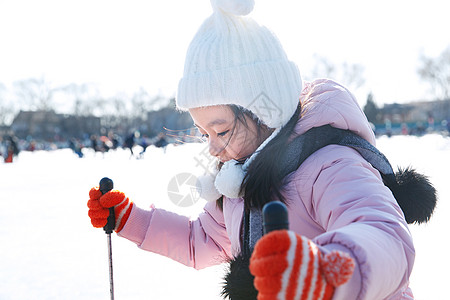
[196,243]
[360,216]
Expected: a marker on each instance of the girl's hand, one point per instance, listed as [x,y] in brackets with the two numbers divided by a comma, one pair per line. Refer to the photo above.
[98,205]
[290,266]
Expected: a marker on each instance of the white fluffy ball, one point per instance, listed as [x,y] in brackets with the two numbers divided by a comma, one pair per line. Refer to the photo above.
[234,7]
[206,187]
[229,179]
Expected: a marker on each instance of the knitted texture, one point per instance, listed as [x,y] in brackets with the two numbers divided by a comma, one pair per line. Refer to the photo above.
[337,267]
[98,205]
[235,7]
[288,266]
[234,60]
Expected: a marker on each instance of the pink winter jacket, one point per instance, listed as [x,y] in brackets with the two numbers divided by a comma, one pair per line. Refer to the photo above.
[336,198]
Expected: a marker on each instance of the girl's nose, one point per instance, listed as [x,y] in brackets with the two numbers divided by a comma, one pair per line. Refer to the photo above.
[215,147]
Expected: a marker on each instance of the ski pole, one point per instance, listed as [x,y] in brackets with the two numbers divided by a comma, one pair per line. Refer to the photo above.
[275,216]
[106,185]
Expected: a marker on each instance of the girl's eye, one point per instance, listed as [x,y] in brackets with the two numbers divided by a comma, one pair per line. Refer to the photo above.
[223,133]
[205,136]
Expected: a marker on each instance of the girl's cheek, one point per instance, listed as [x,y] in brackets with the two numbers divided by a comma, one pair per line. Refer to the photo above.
[240,145]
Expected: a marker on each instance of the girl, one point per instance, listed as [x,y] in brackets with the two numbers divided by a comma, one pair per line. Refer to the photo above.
[272,140]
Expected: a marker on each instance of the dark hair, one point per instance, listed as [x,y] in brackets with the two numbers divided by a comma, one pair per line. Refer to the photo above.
[264,176]
[263,179]
[241,115]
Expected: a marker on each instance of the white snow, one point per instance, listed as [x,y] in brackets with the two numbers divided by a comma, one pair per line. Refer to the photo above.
[49,250]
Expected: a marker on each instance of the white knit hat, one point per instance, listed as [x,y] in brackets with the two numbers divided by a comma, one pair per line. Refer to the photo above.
[233,60]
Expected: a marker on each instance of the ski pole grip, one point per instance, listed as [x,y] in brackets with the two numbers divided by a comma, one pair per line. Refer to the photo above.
[105,186]
[275,216]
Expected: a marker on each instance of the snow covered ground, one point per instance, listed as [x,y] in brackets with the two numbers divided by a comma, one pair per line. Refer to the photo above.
[48,249]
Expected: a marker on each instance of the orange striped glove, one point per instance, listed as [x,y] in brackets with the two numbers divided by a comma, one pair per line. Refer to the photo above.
[289,266]
[98,205]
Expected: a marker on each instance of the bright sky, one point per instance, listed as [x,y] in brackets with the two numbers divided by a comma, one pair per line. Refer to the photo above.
[124,45]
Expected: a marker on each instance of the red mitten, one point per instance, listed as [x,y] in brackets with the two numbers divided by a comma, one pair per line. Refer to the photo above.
[98,208]
[289,266]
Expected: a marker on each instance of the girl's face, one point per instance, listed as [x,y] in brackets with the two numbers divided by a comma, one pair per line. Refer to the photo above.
[228,137]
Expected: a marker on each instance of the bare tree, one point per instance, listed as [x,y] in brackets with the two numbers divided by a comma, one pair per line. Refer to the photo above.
[348,74]
[82,96]
[34,93]
[139,104]
[437,72]
[142,103]
[322,67]
[119,105]
[371,110]
[352,75]
[6,109]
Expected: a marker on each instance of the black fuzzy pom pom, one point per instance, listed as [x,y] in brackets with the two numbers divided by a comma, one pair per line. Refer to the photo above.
[414,193]
[238,281]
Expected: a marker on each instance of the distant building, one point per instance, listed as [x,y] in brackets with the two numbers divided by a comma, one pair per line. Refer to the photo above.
[439,110]
[414,112]
[4,130]
[169,120]
[76,126]
[49,125]
[414,117]
[396,113]
[42,124]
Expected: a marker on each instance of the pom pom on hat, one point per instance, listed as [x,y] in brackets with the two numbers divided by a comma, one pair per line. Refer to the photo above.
[234,60]
[234,7]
